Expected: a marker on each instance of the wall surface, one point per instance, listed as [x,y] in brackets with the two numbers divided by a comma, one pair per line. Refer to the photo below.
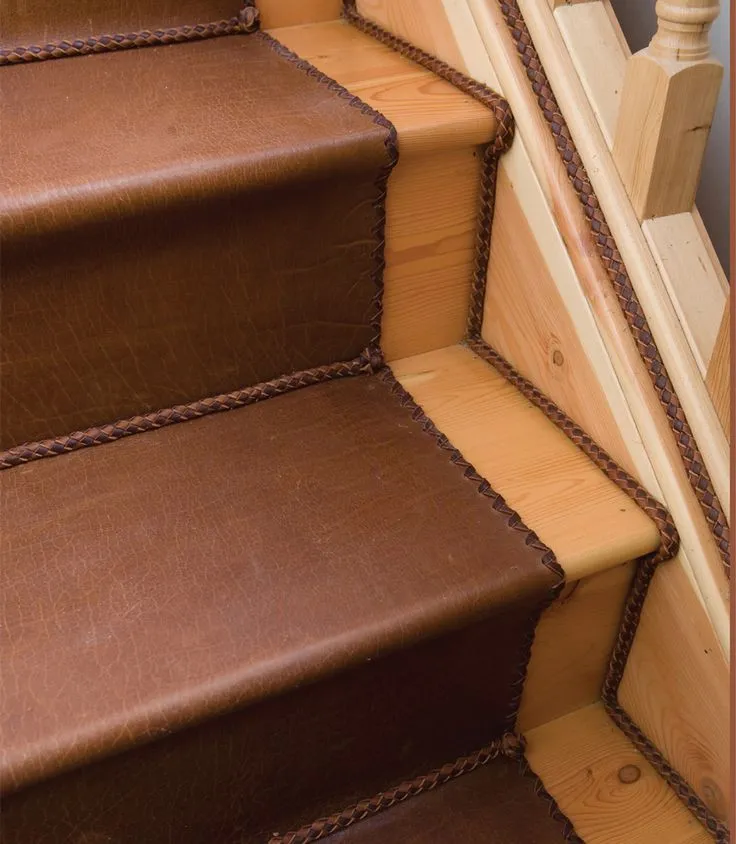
[639,22]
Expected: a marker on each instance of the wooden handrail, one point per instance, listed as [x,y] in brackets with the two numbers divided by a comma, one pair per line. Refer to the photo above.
[669,98]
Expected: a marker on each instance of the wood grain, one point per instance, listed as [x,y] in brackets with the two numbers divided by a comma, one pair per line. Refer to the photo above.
[693,284]
[718,377]
[558,492]
[277,13]
[596,53]
[525,319]
[579,759]
[662,129]
[676,686]
[572,646]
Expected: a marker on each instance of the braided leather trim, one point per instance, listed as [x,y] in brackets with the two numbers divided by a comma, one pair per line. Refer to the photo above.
[246,21]
[504,135]
[186,412]
[613,263]
[510,745]
[392,149]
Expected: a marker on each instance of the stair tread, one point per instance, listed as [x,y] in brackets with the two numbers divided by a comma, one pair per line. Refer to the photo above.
[214,563]
[494,804]
[180,240]
[589,522]
[195,130]
[428,112]
[578,758]
[107,142]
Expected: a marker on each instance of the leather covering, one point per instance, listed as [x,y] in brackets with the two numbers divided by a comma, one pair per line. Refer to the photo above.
[311,580]
[213,230]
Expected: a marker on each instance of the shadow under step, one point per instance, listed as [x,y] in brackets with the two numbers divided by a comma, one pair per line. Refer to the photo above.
[246,621]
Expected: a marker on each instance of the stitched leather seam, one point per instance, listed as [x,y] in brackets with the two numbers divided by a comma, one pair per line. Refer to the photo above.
[246,21]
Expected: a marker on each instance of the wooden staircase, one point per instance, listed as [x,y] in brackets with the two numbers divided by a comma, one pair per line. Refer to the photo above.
[253,620]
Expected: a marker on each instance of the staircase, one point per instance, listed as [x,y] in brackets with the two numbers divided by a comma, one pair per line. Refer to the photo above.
[310,615]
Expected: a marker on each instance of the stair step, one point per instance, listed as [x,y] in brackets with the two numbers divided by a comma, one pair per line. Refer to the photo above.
[143,234]
[309,579]
[589,521]
[606,788]
[497,803]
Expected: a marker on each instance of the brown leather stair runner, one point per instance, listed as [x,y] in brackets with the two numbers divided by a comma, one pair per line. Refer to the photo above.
[209,231]
[224,628]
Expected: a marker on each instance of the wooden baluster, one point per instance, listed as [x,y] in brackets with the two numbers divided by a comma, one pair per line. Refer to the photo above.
[669,97]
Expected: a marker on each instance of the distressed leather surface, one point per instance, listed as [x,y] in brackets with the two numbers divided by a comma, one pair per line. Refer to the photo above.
[495,804]
[165,242]
[27,22]
[311,576]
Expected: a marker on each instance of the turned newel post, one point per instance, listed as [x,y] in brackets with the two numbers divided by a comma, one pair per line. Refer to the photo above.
[667,105]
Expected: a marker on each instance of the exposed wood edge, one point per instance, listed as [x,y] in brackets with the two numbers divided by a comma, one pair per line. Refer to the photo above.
[676,685]
[645,277]
[579,759]
[650,418]
[598,51]
[718,378]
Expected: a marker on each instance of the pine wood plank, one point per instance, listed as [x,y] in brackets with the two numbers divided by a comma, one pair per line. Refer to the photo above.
[277,13]
[558,492]
[676,685]
[525,319]
[691,280]
[718,376]
[579,759]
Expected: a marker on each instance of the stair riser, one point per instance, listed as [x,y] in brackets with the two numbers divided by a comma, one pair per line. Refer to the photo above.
[272,766]
[166,309]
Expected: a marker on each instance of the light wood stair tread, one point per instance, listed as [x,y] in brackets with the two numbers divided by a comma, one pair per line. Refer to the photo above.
[585,518]
[579,758]
[428,113]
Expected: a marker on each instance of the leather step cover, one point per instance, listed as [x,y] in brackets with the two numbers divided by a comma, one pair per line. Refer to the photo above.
[178,222]
[213,627]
